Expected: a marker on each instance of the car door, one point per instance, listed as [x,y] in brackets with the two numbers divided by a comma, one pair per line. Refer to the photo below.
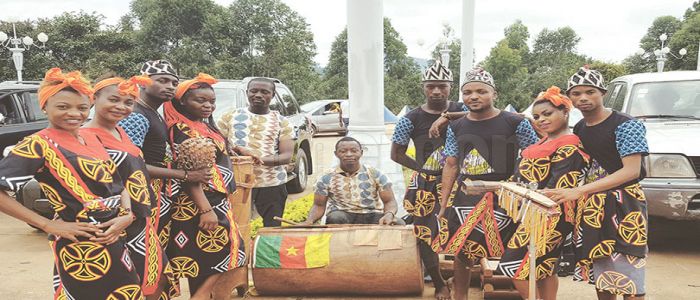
[22,117]
[330,118]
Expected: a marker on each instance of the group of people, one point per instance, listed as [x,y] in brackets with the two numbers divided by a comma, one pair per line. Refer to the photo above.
[593,173]
[130,221]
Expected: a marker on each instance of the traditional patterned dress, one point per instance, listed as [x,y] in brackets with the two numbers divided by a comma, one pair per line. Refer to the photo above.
[196,253]
[558,163]
[422,199]
[485,150]
[82,184]
[147,130]
[611,229]
[141,237]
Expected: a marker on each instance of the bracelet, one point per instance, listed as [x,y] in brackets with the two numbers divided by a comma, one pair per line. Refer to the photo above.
[125,212]
[393,215]
[206,211]
[186,176]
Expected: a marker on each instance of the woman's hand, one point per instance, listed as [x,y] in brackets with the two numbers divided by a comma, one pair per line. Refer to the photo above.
[563,195]
[70,230]
[208,221]
[115,227]
[201,175]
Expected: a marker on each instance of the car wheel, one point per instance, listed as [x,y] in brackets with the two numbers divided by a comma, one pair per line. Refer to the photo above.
[298,184]
[28,195]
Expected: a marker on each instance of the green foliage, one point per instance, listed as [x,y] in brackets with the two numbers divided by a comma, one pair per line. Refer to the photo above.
[401,74]
[610,71]
[295,211]
[688,37]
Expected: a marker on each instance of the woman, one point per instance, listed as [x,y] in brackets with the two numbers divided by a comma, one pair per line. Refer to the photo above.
[556,161]
[204,240]
[80,180]
[114,100]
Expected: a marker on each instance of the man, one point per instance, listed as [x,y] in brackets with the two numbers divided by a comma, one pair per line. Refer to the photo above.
[485,143]
[423,194]
[611,236]
[147,130]
[356,193]
[265,135]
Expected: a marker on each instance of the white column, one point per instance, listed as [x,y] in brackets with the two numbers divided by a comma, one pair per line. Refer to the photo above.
[366,89]
[698,68]
[467,55]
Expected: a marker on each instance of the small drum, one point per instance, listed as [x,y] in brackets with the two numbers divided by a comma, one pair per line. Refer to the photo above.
[337,259]
[240,199]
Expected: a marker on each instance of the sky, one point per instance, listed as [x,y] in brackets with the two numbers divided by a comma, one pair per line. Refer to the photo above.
[610,30]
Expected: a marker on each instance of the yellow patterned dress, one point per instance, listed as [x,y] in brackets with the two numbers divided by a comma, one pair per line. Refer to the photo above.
[82,184]
[141,238]
[195,253]
[558,163]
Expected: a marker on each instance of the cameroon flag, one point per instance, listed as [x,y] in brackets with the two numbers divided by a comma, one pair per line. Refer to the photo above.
[288,252]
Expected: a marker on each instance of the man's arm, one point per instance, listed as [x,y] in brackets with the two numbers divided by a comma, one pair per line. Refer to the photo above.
[317,210]
[631,143]
[399,143]
[398,155]
[136,127]
[390,206]
[449,171]
[202,176]
[443,121]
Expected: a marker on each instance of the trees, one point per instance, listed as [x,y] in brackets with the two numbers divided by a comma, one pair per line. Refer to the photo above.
[76,42]
[401,75]
[647,63]
[687,37]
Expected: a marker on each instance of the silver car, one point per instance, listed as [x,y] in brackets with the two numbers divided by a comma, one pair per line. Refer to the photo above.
[327,116]
[669,105]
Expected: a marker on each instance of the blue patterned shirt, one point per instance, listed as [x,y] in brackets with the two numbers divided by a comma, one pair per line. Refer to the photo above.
[355,193]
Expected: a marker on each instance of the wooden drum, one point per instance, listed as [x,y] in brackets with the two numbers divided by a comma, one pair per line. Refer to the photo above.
[240,199]
[359,260]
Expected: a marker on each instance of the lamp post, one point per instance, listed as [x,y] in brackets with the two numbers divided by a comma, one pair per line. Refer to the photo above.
[445,52]
[18,45]
[662,52]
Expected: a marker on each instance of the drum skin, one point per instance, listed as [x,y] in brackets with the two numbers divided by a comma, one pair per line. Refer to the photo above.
[352,270]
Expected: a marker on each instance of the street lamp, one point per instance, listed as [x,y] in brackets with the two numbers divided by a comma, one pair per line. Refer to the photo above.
[445,52]
[662,52]
[17,46]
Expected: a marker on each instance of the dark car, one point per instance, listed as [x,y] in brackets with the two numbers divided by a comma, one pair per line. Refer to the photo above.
[231,94]
[20,116]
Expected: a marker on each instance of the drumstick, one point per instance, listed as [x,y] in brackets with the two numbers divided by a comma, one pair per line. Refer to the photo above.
[286,221]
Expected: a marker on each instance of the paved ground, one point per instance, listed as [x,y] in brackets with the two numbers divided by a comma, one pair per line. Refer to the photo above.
[673,270]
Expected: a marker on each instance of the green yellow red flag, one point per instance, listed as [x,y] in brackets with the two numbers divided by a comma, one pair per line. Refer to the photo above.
[292,252]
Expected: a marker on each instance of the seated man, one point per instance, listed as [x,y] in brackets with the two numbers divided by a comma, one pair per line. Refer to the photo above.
[356,193]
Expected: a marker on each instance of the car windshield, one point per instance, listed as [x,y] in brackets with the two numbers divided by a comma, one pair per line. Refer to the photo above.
[226,99]
[679,99]
[309,107]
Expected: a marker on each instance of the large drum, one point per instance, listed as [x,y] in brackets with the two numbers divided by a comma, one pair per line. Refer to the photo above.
[337,259]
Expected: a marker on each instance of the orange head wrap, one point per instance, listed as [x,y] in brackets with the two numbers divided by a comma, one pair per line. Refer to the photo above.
[125,86]
[554,96]
[186,85]
[55,81]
